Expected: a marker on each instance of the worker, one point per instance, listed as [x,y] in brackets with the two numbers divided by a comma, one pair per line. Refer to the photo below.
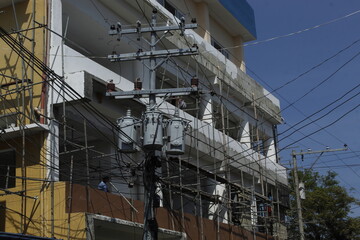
[102,185]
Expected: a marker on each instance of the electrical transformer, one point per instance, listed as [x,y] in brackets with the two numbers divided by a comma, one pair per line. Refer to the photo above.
[128,133]
[176,136]
[152,129]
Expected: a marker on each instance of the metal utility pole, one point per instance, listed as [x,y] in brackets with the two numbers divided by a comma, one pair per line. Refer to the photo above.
[152,122]
[297,187]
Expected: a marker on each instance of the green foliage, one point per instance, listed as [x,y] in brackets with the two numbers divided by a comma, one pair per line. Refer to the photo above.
[326,209]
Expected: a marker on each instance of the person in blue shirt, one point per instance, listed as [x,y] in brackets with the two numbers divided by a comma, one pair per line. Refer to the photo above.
[102,185]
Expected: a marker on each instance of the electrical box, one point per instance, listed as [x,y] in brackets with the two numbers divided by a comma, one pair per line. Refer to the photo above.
[128,133]
[153,130]
[176,136]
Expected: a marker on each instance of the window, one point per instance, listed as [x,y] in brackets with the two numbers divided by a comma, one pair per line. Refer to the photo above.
[220,48]
[7,168]
[174,11]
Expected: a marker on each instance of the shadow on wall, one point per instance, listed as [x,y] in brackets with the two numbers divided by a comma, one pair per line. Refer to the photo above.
[2,216]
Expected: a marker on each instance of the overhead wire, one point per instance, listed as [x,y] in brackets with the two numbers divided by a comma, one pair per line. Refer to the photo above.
[338,119]
[58,78]
[336,54]
[339,53]
[320,117]
[326,126]
[324,61]
[144,15]
[309,117]
[304,30]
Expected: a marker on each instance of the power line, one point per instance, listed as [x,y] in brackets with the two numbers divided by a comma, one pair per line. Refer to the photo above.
[324,115]
[326,126]
[304,30]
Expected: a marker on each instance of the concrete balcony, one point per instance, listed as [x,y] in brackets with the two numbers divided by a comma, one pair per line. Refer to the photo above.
[89,79]
[241,85]
[211,61]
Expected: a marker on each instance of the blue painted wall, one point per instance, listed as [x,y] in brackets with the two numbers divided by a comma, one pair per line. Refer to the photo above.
[243,12]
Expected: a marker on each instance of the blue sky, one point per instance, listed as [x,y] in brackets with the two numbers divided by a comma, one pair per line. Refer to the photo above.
[277,62]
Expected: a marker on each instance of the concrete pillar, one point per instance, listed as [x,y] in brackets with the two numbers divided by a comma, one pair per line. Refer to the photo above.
[214,210]
[206,107]
[55,58]
[203,19]
[239,53]
[208,112]
[271,151]
[245,134]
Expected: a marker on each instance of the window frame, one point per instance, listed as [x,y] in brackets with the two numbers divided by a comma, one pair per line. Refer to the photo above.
[174,11]
[220,48]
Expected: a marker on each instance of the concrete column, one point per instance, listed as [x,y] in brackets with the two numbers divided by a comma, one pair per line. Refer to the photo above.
[55,58]
[239,53]
[245,134]
[271,151]
[203,19]
[208,112]
[220,190]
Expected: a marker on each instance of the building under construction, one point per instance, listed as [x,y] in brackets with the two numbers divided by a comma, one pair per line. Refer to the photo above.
[80,83]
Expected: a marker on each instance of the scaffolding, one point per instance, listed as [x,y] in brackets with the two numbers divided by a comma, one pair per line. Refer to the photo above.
[207,186]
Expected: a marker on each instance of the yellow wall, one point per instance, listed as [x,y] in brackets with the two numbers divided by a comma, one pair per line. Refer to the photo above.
[12,65]
[25,214]
[37,212]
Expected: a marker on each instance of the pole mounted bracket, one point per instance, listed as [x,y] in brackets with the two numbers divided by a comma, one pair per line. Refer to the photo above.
[140,55]
[158,92]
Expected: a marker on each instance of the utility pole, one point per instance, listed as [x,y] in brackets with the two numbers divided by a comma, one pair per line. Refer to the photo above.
[152,121]
[298,200]
[297,187]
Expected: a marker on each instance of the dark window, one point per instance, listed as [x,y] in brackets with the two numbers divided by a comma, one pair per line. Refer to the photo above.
[220,48]
[7,168]
[161,2]
[171,8]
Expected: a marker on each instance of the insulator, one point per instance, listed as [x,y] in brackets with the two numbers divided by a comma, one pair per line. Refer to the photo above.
[153,130]
[110,86]
[176,136]
[128,133]
[138,84]
[194,82]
